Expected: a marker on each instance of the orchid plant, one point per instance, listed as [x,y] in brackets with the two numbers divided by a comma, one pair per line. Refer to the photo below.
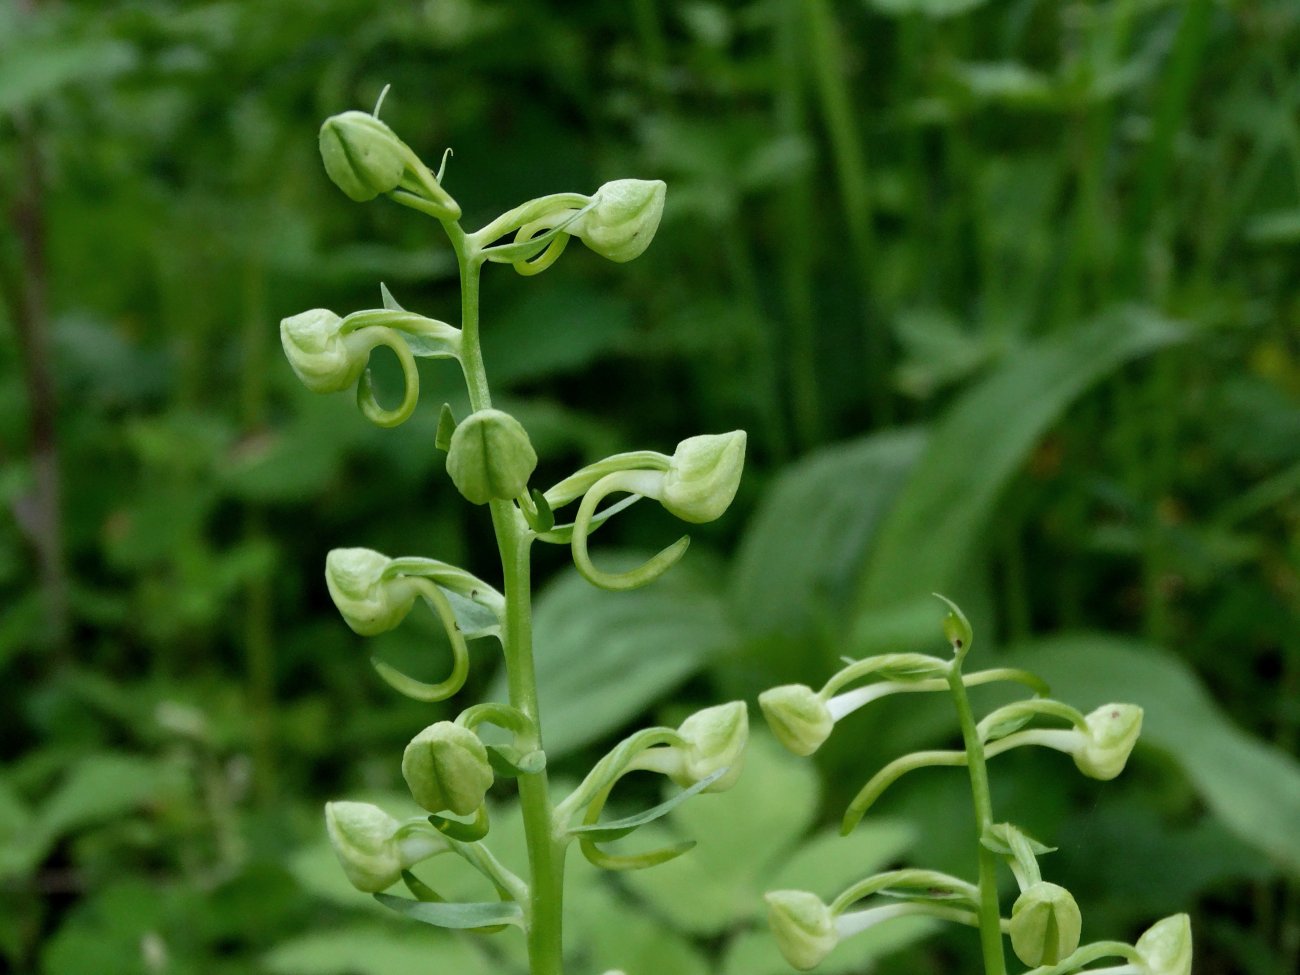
[1045,923]
[449,766]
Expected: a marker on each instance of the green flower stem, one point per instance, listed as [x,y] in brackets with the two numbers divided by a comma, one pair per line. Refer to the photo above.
[544,910]
[995,962]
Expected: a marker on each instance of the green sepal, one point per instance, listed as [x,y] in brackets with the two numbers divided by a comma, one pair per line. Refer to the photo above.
[1012,717]
[956,627]
[458,829]
[446,427]
[421,891]
[389,301]
[911,884]
[618,828]
[902,667]
[997,838]
[539,515]
[636,861]
[508,762]
[998,725]
[461,917]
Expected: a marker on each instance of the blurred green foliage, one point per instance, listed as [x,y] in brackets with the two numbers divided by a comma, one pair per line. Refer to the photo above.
[1005,292]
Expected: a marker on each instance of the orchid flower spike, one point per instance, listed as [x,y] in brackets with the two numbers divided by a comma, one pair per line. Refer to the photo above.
[373,847]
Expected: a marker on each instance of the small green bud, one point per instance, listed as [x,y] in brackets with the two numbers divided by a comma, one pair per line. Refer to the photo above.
[1166,947]
[446,767]
[714,739]
[366,841]
[1113,730]
[369,603]
[490,457]
[1045,924]
[362,155]
[364,158]
[797,716]
[703,475]
[803,927]
[624,218]
[319,353]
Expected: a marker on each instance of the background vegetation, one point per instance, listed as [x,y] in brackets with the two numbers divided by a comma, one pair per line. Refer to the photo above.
[1005,293]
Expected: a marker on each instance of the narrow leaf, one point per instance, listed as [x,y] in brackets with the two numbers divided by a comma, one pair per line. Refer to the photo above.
[458,916]
[619,828]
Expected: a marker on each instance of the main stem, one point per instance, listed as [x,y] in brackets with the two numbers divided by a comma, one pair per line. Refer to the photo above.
[544,911]
[990,913]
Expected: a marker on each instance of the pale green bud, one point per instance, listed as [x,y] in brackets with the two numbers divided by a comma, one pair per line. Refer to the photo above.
[624,218]
[797,716]
[1045,924]
[703,475]
[319,353]
[714,739]
[365,158]
[490,457]
[803,927]
[446,767]
[366,841]
[369,603]
[1113,730]
[1166,947]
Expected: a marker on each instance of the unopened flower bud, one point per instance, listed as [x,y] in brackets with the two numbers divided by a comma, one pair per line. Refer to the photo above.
[365,158]
[365,840]
[624,218]
[369,603]
[703,475]
[446,768]
[1112,732]
[1166,947]
[797,716]
[715,739]
[1045,924]
[490,457]
[319,353]
[803,927]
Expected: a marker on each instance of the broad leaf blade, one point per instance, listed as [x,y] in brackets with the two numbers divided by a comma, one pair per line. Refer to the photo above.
[986,436]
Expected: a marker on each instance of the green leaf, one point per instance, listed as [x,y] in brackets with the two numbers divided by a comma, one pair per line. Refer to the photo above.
[376,949]
[458,916]
[1251,787]
[618,828]
[806,543]
[603,657]
[933,528]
